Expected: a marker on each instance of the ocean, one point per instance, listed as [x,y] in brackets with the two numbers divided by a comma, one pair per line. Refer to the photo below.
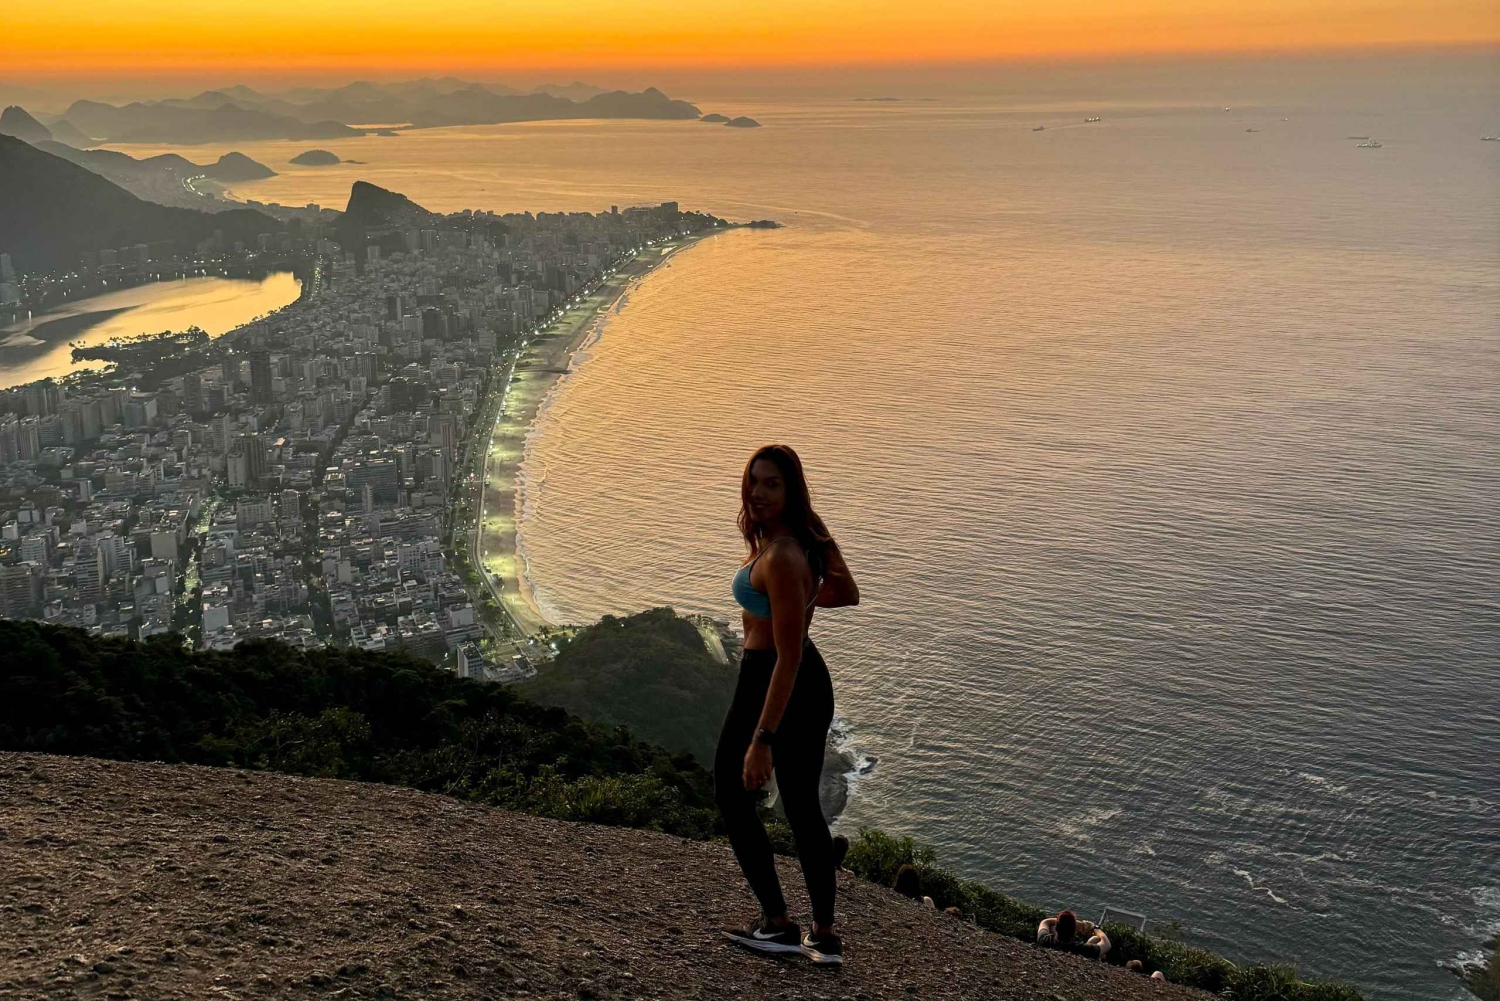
[1165,448]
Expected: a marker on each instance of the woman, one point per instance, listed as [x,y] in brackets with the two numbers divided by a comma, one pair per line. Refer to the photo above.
[783,704]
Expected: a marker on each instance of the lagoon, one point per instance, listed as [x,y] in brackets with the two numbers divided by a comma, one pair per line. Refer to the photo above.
[41,347]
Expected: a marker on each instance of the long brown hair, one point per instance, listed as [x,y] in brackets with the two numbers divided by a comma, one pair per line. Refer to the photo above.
[798,514]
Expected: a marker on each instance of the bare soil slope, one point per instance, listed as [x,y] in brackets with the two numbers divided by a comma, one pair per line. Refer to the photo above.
[154,881]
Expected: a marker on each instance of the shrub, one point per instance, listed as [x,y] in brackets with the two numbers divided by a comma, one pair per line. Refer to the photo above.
[877,856]
[1483,979]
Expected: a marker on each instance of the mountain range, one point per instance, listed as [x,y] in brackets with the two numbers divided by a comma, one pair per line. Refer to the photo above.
[53,210]
[57,203]
[240,113]
[17,121]
[166,178]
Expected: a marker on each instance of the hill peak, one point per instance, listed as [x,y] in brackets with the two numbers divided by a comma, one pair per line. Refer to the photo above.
[374,207]
[252,882]
[17,121]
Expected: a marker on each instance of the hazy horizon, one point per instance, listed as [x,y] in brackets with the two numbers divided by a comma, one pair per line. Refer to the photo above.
[1473,66]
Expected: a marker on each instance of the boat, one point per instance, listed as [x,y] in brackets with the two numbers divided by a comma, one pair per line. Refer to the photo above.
[1094,119]
[1040,128]
[1252,130]
[1369,144]
[1489,139]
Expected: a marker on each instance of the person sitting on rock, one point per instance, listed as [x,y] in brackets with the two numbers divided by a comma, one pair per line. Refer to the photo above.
[1066,932]
[1136,966]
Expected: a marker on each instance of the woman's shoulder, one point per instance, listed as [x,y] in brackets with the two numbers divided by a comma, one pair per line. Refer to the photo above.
[784,551]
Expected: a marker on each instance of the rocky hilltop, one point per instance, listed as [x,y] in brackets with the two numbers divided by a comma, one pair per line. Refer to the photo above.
[169,881]
[14,121]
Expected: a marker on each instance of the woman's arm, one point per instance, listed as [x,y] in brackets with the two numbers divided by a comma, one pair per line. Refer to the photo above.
[785,577]
[839,589]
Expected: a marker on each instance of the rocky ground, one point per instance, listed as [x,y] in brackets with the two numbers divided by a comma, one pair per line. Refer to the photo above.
[153,881]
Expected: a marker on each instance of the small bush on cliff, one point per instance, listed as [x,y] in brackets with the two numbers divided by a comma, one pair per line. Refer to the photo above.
[877,856]
[1483,979]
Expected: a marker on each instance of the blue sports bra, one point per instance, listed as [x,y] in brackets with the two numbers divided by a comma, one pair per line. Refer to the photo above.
[756,602]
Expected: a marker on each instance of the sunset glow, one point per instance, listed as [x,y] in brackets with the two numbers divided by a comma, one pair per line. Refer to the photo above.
[280,35]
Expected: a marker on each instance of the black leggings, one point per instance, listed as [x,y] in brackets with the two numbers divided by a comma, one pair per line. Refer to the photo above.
[798,760]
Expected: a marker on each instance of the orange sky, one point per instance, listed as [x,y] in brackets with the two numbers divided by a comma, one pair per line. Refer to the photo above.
[469,35]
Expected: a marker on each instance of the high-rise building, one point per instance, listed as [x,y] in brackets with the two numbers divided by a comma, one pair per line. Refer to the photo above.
[7,270]
[89,574]
[115,551]
[230,367]
[37,548]
[20,589]
[260,377]
[192,393]
[246,461]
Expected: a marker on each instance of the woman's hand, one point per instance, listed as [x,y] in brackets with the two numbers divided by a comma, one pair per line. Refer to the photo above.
[757,765]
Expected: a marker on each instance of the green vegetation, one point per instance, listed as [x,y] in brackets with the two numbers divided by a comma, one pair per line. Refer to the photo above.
[877,856]
[388,717]
[337,713]
[649,672]
[1483,979]
[143,349]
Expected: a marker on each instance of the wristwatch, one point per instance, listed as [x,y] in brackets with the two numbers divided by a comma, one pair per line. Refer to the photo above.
[766,737]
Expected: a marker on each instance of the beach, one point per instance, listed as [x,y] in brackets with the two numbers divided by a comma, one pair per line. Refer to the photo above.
[545,358]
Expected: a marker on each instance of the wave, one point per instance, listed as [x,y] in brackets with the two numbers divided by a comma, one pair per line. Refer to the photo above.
[1250,881]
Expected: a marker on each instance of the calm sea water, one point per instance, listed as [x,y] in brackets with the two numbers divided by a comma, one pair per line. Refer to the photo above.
[32,350]
[1167,454]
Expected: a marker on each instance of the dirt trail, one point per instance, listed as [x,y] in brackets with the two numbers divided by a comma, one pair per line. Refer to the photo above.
[154,881]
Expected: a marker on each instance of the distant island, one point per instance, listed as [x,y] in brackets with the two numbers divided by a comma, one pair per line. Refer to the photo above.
[241,113]
[877,98]
[763,224]
[742,123]
[715,119]
[315,158]
[237,167]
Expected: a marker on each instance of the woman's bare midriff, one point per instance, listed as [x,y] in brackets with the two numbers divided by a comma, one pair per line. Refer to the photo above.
[758,634]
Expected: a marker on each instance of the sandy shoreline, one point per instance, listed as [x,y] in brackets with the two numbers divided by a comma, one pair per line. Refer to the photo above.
[543,362]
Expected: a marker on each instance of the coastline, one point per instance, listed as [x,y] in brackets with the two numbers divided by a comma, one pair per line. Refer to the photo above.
[40,347]
[534,376]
